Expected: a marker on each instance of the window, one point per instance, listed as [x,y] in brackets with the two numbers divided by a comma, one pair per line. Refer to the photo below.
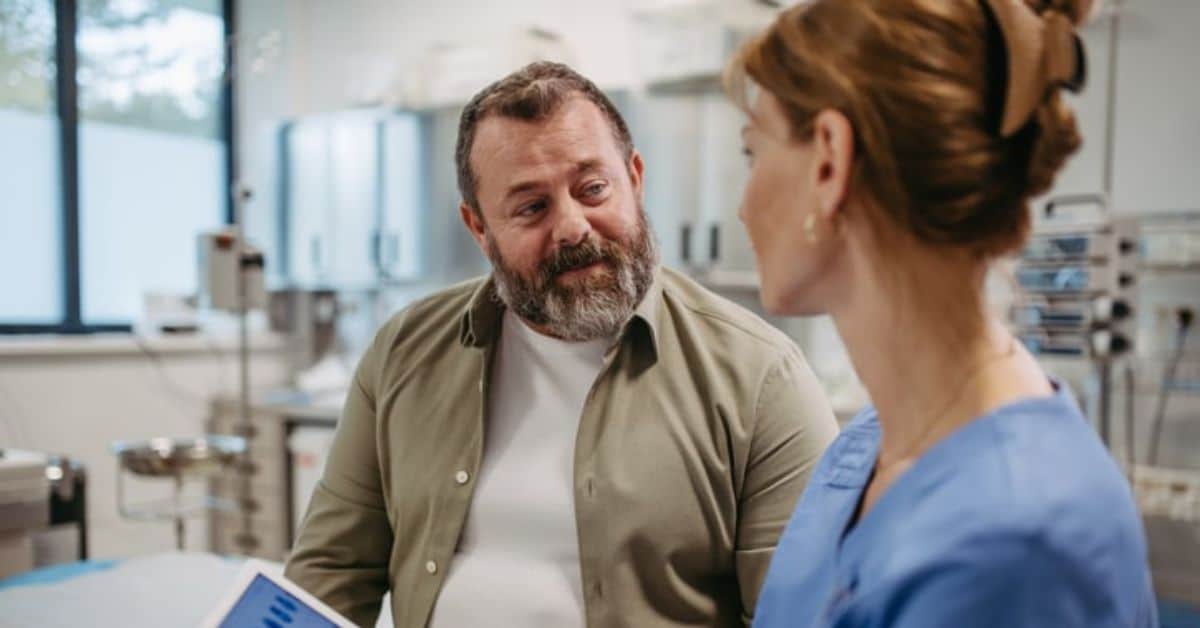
[30,264]
[120,163]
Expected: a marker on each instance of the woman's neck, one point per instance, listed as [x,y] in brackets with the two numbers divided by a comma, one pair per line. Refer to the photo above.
[928,352]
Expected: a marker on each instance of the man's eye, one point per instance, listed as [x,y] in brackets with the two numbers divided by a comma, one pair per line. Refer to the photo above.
[532,208]
[594,189]
[749,155]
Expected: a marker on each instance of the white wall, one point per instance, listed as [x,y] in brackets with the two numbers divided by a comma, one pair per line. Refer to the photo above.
[333,55]
[342,52]
[1156,128]
[1157,140]
[75,396]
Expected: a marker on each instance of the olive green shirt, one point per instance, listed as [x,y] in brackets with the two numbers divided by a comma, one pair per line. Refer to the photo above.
[692,450]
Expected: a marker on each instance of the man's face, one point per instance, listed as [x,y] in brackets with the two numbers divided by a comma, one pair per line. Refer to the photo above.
[562,220]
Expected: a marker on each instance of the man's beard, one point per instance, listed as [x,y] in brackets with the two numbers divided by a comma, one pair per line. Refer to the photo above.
[594,307]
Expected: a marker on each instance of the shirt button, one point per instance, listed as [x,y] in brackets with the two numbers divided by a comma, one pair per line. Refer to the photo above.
[431,567]
[462,476]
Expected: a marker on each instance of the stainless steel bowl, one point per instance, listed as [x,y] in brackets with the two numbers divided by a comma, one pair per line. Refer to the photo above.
[178,457]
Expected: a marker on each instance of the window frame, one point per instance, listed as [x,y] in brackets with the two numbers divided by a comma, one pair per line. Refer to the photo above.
[67,106]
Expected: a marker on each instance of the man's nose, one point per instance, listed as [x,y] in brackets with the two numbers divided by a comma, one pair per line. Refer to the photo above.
[572,227]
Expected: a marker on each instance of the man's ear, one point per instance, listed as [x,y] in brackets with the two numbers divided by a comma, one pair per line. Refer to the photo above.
[473,220]
[637,171]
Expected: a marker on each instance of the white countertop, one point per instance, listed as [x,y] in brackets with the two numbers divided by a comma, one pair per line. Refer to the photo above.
[121,343]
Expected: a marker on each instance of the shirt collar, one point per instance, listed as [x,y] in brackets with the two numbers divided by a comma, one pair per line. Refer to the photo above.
[480,322]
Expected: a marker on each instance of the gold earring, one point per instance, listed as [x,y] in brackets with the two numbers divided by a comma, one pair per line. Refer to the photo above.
[810,228]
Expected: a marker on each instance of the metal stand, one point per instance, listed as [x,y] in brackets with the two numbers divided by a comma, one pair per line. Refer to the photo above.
[68,497]
[246,540]
[1104,410]
[177,459]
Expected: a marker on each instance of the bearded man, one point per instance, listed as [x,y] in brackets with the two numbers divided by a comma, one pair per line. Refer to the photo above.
[582,438]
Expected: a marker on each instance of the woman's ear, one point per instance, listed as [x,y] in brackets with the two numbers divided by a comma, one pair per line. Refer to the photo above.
[833,161]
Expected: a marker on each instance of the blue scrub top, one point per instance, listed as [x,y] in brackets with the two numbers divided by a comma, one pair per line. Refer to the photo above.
[1019,518]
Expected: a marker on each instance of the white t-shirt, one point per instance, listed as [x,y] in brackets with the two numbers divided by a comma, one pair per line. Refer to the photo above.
[517,563]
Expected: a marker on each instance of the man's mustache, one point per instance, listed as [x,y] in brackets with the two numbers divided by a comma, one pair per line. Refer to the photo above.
[579,256]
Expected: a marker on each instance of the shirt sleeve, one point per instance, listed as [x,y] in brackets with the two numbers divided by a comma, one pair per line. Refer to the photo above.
[342,548]
[793,425]
[998,583]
